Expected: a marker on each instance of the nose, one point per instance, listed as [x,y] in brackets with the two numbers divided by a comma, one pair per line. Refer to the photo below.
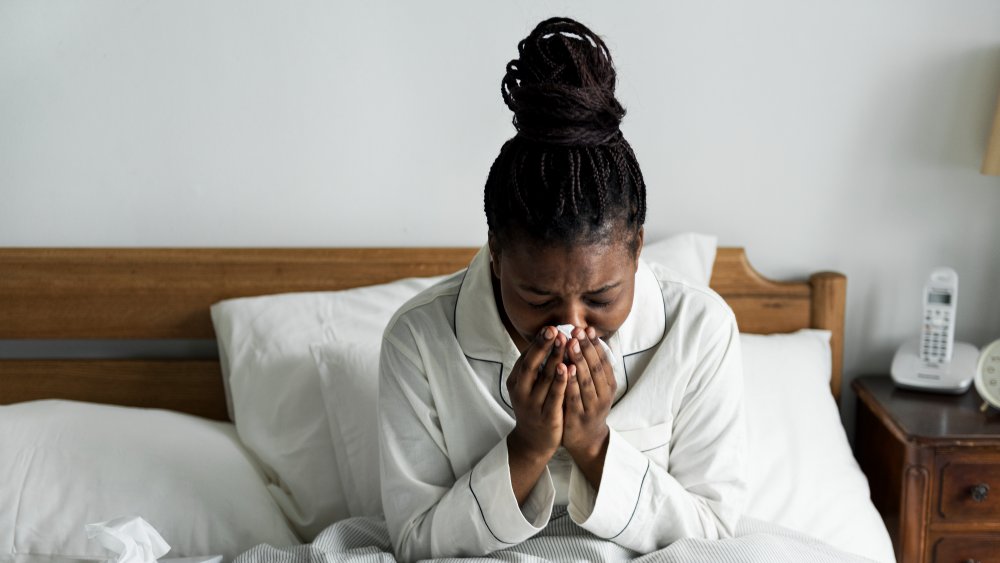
[574,314]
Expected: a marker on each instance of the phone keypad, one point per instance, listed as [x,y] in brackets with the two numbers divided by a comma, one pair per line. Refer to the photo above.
[934,344]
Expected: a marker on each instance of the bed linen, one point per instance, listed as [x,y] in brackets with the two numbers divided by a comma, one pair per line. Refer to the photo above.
[801,472]
[65,464]
[366,539]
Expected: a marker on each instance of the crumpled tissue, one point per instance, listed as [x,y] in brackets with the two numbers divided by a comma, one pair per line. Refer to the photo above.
[608,355]
[128,539]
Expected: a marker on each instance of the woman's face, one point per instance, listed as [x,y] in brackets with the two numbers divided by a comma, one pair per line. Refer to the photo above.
[588,285]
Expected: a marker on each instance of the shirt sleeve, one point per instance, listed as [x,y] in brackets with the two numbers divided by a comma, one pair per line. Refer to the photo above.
[644,506]
[430,511]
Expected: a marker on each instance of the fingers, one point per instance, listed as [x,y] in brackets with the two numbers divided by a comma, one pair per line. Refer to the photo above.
[572,403]
[526,373]
[548,372]
[556,392]
[588,359]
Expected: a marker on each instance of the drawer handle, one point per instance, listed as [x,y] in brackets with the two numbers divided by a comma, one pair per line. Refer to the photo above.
[971,561]
[980,491]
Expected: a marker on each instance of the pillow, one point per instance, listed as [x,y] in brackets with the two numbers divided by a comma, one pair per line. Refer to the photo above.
[274,386]
[66,464]
[801,472]
[691,255]
[348,373]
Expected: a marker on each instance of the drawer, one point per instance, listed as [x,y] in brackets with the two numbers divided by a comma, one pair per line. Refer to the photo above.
[969,490]
[956,548]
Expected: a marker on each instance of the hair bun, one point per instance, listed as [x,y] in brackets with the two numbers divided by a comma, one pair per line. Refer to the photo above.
[561,87]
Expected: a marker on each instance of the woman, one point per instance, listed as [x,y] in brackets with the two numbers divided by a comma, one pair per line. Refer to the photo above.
[491,418]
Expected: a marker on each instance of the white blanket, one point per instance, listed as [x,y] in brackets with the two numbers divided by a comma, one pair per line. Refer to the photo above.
[366,539]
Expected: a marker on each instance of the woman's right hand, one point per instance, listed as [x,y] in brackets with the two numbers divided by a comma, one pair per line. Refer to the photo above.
[536,393]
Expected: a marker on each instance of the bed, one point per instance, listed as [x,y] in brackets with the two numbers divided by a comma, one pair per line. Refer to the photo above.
[92,439]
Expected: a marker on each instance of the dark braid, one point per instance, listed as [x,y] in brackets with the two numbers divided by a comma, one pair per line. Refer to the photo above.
[568,176]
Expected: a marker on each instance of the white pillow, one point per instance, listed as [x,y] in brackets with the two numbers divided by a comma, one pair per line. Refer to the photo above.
[275,387]
[66,464]
[348,372]
[691,255]
[801,472]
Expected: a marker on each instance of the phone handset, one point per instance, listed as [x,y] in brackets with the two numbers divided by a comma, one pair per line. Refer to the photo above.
[940,299]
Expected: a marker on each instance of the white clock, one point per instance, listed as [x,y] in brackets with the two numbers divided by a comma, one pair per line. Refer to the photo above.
[988,375]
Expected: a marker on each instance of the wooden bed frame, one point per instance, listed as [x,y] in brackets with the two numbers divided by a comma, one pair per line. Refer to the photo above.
[134,294]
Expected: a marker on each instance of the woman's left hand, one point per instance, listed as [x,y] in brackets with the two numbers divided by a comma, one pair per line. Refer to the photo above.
[587,402]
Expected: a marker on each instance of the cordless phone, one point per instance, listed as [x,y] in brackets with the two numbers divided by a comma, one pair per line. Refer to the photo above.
[933,361]
[938,334]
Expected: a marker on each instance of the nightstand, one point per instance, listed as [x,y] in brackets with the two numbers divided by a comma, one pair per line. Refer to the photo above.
[933,466]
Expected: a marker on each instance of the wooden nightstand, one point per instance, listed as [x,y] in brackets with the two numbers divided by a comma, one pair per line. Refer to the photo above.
[933,465]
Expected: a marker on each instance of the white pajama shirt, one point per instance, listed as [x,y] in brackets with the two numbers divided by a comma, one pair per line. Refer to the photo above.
[675,460]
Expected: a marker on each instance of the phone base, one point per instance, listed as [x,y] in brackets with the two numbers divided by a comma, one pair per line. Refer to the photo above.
[954,377]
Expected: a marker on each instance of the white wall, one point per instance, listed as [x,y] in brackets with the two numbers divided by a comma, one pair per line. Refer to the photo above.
[820,135]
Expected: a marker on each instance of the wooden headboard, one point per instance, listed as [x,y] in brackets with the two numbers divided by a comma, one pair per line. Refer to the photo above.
[131,294]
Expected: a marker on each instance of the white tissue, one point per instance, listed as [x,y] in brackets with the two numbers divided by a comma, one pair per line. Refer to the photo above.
[568,331]
[609,358]
[128,539]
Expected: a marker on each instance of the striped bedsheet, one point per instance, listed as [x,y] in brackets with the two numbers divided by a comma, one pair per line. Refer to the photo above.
[367,540]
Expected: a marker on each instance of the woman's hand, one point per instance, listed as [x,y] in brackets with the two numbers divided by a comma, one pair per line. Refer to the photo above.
[589,394]
[536,393]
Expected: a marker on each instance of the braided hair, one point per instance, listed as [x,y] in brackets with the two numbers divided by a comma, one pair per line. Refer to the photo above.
[568,176]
